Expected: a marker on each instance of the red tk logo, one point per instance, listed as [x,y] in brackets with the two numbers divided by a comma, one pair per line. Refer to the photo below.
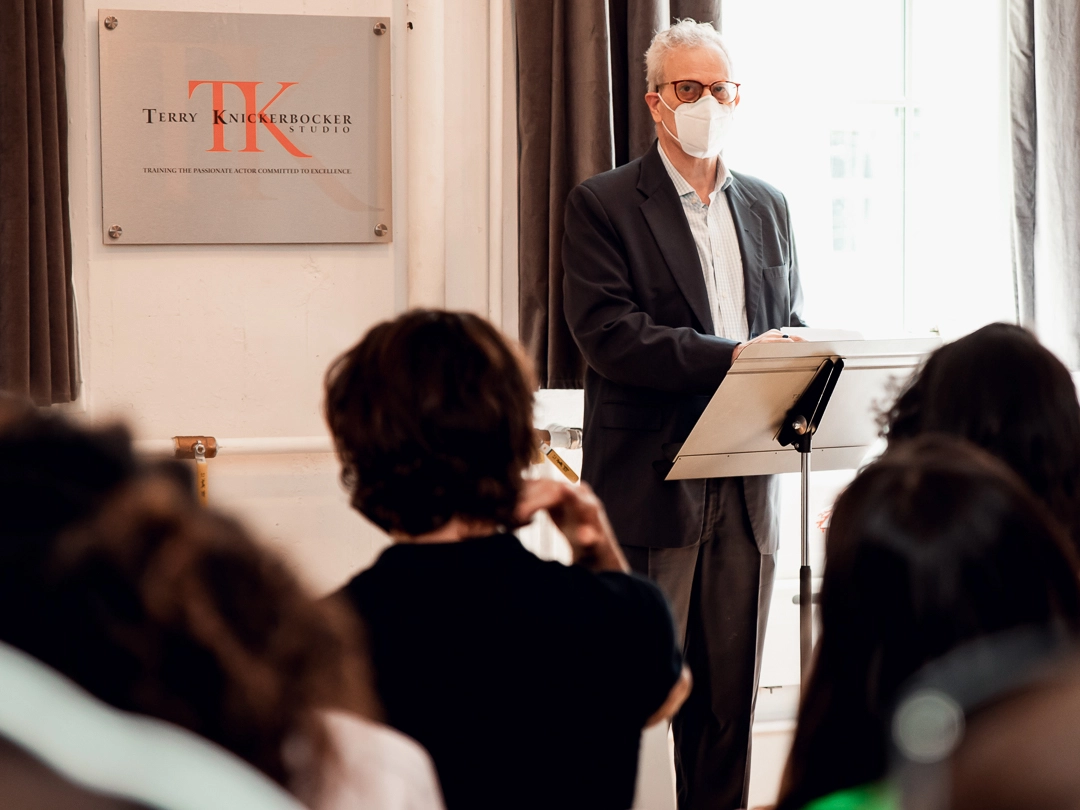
[252,117]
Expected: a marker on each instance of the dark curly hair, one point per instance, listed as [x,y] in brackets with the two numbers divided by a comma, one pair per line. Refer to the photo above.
[431,414]
[111,574]
[165,609]
[1004,391]
[53,474]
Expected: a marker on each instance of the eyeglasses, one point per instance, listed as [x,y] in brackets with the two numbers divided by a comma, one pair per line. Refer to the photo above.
[689,91]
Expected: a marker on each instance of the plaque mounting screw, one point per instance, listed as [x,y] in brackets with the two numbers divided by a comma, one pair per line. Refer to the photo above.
[111,22]
[115,232]
[380,230]
[379,29]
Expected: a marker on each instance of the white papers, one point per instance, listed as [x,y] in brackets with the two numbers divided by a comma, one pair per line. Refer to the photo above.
[812,335]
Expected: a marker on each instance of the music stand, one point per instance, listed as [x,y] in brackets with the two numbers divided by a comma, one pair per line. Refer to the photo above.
[784,407]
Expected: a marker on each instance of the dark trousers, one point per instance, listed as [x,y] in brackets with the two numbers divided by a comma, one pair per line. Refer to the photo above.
[719,592]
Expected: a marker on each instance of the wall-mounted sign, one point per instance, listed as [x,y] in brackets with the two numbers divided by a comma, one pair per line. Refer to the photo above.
[244,128]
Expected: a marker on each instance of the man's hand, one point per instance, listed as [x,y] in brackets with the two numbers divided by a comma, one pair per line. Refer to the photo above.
[580,516]
[772,336]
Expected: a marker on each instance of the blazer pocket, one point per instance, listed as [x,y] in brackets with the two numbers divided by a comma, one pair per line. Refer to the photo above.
[630,416]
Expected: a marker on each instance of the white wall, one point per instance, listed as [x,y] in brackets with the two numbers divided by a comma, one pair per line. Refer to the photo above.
[232,341]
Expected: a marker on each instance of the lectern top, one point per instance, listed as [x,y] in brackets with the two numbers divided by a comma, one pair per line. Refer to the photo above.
[736,435]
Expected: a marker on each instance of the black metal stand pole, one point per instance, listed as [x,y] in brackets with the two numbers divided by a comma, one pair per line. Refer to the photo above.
[797,431]
[806,599]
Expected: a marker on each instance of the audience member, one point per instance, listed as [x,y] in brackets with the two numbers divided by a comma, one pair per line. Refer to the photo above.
[162,608]
[990,726]
[935,544]
[27,784]
[1020,751]
[528,681]
[1004,391]
[52,475]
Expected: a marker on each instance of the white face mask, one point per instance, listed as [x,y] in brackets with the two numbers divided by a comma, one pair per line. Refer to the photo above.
[703,126]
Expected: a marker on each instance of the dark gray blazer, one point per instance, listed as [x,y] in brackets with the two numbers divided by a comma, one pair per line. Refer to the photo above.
[636,305]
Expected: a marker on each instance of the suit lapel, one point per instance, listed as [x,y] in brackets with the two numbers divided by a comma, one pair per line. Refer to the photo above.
[664,214]
[748,228]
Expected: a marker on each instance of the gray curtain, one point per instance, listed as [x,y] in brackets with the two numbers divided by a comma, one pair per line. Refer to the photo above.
[581,82]
[37,324]
[632,24]
[1044,87]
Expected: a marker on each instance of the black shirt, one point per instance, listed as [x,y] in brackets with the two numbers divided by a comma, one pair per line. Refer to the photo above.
[527,681]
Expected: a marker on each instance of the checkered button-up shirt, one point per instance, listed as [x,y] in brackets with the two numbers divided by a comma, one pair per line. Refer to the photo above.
[718,249]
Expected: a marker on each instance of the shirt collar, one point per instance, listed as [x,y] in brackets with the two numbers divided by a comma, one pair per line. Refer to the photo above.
[682,188]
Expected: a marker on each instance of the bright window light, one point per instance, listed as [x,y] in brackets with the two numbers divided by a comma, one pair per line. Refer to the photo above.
[884,122]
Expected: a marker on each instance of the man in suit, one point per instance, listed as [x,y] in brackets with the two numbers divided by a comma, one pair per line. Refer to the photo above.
[673,264]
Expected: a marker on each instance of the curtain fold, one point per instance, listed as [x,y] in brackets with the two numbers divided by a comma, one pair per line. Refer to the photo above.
[581,83]
[1044,96]
[564,136]
[37,323]
[632,25]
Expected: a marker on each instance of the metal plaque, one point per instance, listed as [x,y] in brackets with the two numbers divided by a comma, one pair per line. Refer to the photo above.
[244,128]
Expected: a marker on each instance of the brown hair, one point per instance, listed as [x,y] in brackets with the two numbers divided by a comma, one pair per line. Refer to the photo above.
[1002,390]
[168,610]
[934,545]
[1021,749]
[432,417]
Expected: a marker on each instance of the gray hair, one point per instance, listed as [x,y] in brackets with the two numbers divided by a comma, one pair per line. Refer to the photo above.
[683,34]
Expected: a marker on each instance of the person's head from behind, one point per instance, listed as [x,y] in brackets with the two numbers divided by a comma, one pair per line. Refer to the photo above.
[1004,391]
[991,726]
[53,474]
[111,574]
[162,608]
[1021,750]
[431,415]
[935,544]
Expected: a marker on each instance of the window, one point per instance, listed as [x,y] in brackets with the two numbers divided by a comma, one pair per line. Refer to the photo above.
[884,124]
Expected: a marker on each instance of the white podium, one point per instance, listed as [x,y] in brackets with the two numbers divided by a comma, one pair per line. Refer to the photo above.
[787,407]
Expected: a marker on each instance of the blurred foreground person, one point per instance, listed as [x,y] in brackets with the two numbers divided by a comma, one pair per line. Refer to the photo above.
[990,726]
[52,475]
[529,682]
[164,609]
[1002,390]
[934,545]
[1021,750]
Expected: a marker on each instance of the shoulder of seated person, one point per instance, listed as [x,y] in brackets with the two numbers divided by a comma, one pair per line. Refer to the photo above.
[388,558]
[377,751]
[404,560]
[640,589]
[617,585]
